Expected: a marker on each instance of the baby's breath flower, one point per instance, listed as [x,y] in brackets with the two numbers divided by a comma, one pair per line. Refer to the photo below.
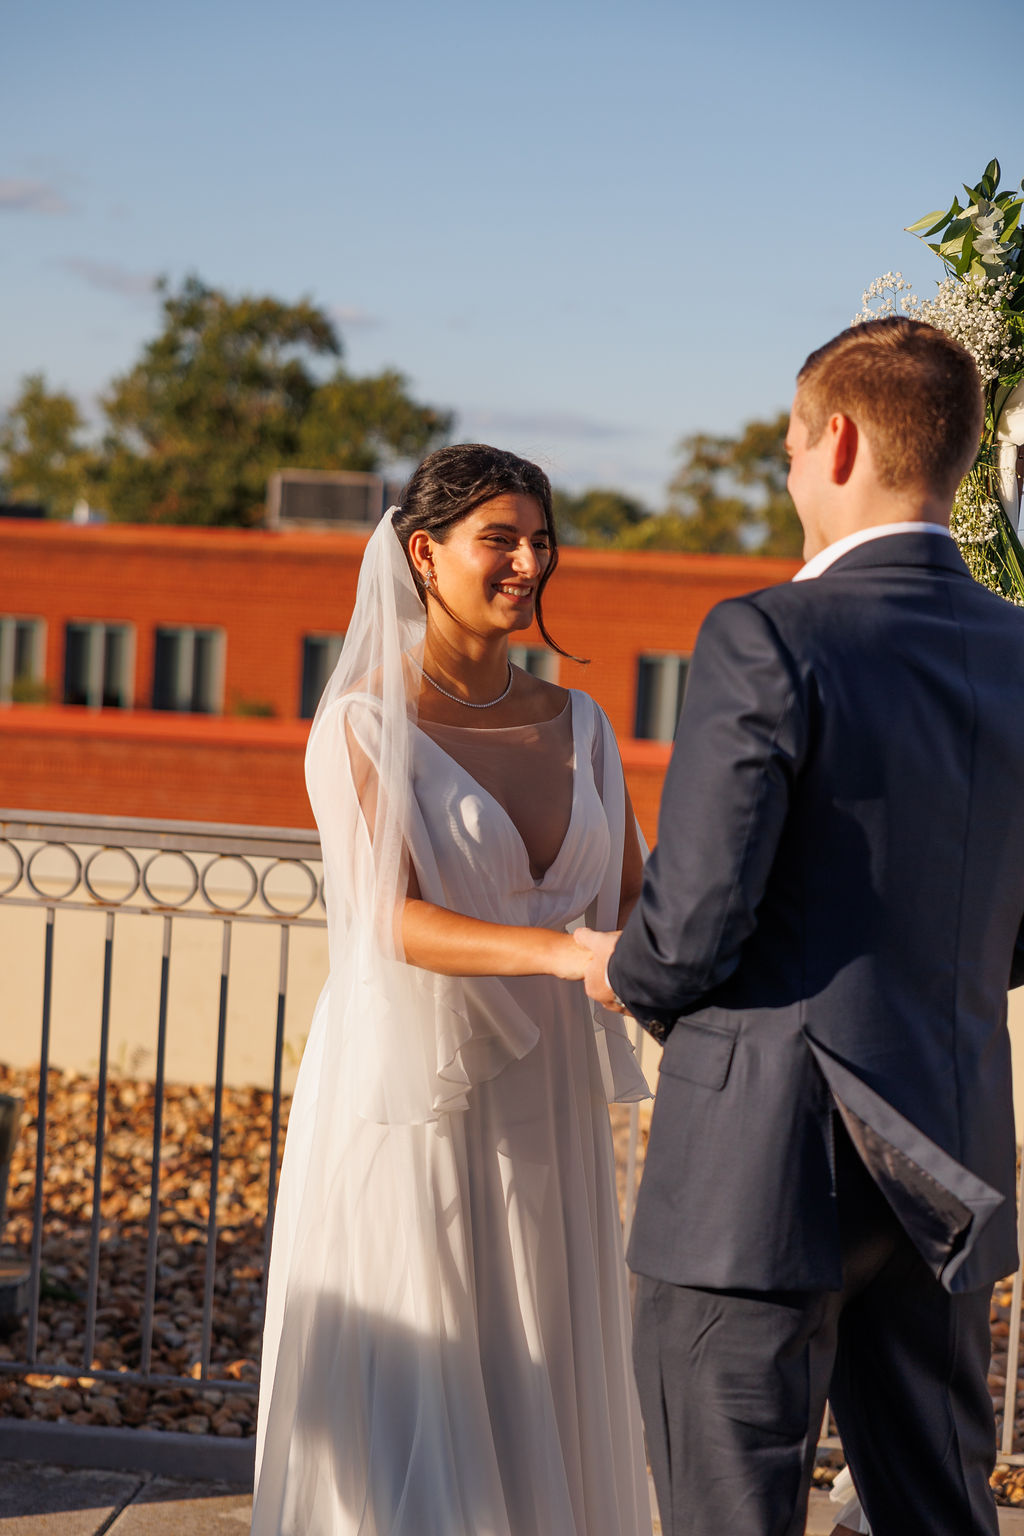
[970,310]
[977,523]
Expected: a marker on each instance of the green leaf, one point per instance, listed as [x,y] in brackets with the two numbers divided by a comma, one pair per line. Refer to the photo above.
[963,258]
[1011,219]
[936,220]
[991,177]
[953,212]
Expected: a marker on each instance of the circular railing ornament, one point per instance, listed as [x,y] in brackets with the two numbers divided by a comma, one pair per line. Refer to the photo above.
[19,866]
[33,879]
[164,898]
[223,906]
[300,905]
[134,878]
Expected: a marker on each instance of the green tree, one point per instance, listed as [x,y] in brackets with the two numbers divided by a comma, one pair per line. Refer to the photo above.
[42,457]
[597,518]
[360,423]
[729,496]
[235,388]
[714,530]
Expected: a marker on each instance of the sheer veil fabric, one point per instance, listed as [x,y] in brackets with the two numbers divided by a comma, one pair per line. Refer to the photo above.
[446,1347]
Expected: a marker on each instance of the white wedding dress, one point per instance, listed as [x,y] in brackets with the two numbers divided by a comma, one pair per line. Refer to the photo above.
[447,1347]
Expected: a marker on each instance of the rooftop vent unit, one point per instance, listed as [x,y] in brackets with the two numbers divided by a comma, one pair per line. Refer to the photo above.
[332,498]
[32,509]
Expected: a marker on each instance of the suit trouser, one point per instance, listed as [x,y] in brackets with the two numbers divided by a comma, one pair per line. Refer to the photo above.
[733,1387]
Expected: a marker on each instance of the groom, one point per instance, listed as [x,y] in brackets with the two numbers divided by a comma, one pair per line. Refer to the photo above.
[827,931]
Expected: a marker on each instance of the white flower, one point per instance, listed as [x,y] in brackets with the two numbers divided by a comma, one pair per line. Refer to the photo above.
[970,309]
[989,249]
[988,224]
[986,217]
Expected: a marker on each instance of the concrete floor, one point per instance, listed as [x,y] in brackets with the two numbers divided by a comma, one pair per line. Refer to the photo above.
[51,1501]
[54,1501]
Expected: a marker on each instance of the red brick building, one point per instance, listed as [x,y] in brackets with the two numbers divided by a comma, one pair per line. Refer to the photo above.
[169,672]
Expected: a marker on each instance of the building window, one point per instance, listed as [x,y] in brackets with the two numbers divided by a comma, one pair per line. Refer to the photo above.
[319,658]
[535,659]
[22,660]
[98,664]
[188,671]
[660,685]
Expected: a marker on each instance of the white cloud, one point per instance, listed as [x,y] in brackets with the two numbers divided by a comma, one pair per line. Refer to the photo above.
[111,278]
[21,196]
[546,425]
[351,318]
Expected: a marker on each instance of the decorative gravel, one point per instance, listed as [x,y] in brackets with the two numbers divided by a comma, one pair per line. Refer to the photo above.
[71,1392]
[61,1386]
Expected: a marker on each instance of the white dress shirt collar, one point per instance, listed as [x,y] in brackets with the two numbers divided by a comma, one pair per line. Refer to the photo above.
[832,552]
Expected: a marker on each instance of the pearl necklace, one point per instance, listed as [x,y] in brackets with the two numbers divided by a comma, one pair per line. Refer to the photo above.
[488,703]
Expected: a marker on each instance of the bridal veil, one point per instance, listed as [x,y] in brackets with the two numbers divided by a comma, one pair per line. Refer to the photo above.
[370,1367]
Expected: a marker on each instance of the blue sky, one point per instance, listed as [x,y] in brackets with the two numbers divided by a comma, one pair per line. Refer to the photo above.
[589,228]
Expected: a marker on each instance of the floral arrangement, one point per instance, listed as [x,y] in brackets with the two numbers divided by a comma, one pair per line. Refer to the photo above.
[980,303]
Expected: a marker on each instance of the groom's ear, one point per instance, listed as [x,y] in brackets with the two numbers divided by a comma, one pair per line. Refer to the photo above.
[844,443]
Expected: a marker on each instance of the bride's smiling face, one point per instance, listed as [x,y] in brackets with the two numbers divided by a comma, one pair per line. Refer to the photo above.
[489,568]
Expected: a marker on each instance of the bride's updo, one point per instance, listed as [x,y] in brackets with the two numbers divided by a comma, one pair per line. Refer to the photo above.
[453,482]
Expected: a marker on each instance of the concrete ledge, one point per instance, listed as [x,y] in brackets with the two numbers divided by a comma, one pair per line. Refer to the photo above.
[204,1458]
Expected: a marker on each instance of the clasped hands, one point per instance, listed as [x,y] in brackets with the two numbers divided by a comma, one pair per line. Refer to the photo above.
[599,948]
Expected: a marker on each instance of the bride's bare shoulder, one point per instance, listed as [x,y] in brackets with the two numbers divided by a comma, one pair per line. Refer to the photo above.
[544,699]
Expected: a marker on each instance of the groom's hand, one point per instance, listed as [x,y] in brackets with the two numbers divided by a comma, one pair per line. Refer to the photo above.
[599,947]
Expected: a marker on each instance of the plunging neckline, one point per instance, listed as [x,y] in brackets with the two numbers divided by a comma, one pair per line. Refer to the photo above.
[537,882]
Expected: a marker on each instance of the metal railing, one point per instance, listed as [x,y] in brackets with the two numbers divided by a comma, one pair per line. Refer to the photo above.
[174,873]
[182,873]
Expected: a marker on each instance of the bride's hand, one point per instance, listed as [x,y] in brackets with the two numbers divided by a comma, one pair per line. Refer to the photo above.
[598,948]
[567,960]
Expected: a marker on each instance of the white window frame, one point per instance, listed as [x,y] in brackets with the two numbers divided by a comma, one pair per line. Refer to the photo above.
[98,630]
[9,626]
[333,641]
[184,687]
[538,660]
[670,670]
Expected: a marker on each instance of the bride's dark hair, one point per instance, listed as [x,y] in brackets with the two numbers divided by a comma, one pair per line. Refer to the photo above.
[453,482]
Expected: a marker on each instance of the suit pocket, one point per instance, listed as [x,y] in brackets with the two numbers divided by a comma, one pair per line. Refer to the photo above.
[699,1053]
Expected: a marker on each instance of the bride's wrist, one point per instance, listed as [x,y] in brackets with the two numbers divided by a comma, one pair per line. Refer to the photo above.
[544,945]
[557,951]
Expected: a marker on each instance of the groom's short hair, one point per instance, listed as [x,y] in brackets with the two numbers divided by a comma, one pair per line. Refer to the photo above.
[912,389]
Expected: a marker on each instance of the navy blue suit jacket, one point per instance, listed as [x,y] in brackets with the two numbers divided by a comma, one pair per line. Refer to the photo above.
[830,921]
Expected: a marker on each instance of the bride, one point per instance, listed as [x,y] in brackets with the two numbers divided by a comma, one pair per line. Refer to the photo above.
[447,1337]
